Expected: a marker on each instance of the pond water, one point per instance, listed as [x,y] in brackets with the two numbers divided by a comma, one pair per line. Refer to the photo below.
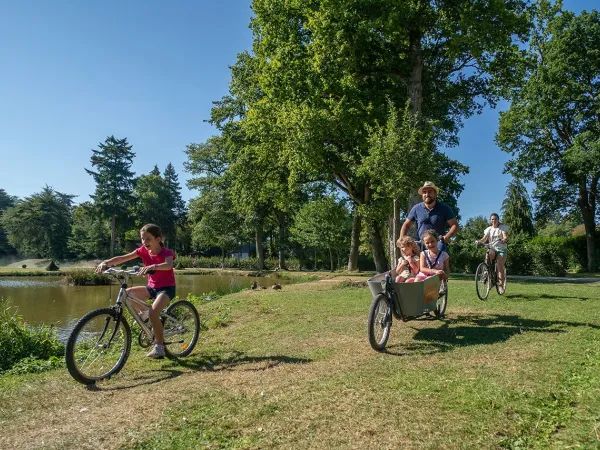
[46,300]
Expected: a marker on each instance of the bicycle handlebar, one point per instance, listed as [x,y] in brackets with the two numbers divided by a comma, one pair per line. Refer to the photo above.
[133,271]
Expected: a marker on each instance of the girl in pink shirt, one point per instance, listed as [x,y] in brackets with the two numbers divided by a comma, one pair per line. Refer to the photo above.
[158,264]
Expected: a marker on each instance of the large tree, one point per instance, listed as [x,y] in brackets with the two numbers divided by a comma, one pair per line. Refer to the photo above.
[327,71]
[40,225]
[552,128]
[153,203]
[90,234]
[114,181]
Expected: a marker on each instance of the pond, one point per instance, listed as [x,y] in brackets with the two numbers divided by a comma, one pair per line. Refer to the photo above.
[46,300]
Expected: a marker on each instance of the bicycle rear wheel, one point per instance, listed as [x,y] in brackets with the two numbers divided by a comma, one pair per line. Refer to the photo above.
[483,281]
[182,327]
[442,300]
[380,321]
[98,346]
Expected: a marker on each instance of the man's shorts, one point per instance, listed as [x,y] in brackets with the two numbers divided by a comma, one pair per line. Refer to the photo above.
[154,292]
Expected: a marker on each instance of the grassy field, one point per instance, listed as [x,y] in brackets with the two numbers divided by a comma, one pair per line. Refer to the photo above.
[293,369]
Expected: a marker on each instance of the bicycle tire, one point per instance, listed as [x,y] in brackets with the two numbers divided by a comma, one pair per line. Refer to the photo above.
[98,346]
[182,328]
[380,321]
[442,302]
[483,281]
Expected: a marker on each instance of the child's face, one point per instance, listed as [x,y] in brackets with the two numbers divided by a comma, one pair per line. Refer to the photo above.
[406,250]
[149,241]
[430,242]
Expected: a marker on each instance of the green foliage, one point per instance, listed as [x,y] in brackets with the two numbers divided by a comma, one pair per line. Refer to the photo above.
[87,278]
[465,255]
[551,128]
[152,202]
[203,262]
[549,256]
[40,225]
[323,223]
[6,201]
[19,341]
[516,209]
[89,234]
[35,365]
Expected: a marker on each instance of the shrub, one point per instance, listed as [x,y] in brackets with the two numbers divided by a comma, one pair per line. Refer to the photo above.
[87,278]
[549,255]
[215,262]
[19,341]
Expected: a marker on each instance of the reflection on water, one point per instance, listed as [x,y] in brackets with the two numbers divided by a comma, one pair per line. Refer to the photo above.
[46,300]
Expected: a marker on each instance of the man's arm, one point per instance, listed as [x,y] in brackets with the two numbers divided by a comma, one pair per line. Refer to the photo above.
[405,226]
[453,224]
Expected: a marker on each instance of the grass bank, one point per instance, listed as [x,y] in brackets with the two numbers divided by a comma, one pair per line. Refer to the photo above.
[293,369]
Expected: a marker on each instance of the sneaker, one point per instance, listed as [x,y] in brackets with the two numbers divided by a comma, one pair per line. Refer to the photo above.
[157,352]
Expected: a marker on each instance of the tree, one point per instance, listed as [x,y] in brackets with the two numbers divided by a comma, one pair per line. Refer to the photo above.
[40,225]
[552,128]
[327,70]
[89,233]
[114,182]
[516,209]
[6,201]
[323,223]
[177,204]
[153,202]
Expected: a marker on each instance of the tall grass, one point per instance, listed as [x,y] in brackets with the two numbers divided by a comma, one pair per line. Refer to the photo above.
[19,340]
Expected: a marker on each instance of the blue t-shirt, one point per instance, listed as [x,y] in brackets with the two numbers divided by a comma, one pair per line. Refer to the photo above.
[435,219]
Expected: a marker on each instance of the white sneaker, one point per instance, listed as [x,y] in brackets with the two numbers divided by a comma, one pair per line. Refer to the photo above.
[157,352]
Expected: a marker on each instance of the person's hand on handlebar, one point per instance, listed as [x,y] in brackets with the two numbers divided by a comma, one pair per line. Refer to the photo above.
[101,267]
[147,270]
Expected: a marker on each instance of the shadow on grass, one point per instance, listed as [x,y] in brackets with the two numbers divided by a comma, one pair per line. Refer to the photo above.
[215,363]
[529,297]
[146,378]
[470,330]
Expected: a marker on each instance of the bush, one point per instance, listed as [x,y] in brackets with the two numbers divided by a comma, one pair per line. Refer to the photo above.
[215,262]
[19,341]
[549,255]
[87,278]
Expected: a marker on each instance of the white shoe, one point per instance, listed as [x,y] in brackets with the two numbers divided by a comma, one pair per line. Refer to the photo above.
[157,352]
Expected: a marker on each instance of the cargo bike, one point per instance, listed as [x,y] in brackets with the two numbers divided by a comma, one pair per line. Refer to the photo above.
[404,301]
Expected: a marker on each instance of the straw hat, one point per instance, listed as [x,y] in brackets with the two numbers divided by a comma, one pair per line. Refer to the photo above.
[429,184]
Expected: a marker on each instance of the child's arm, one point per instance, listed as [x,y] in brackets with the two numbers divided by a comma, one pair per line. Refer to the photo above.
[414,266]
[426,270]
[167,265]
[116,261]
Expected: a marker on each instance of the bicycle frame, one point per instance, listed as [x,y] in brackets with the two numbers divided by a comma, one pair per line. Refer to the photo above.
[124,298]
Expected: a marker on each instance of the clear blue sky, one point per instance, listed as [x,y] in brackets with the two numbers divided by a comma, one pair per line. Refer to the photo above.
[74,73]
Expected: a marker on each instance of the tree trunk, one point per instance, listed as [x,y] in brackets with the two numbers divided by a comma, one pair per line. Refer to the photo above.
[415,82]
[393,232]
[331,259]
[354,240]
[281,221]
[587,206]
[315,264]
[377,246]
[260,252]
[113,235]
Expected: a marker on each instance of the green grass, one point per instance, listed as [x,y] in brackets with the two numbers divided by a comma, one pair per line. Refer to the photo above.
[293,369]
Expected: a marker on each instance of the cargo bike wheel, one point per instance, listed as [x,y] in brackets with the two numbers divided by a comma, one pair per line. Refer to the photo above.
[442,300]
[380,321]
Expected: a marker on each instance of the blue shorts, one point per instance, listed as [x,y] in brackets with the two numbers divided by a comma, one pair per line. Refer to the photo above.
[154,292]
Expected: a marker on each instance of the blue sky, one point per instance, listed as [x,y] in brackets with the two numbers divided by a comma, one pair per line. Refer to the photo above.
[74,73]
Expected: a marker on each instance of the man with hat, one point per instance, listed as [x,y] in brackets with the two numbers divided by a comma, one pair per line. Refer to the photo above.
[431,214]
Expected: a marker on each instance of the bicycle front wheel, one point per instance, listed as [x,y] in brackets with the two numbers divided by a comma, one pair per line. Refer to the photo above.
[182,327]
[483,281]
[98,346]
[380,321]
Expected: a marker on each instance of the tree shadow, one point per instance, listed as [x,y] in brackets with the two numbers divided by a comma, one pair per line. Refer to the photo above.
[215,363]
[467,330]
[529,297]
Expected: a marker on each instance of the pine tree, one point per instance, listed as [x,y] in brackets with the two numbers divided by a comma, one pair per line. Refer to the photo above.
[155,171]
[516,209]
[114,181]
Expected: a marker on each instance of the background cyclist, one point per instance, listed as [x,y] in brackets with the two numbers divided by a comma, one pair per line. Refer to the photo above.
[497,236]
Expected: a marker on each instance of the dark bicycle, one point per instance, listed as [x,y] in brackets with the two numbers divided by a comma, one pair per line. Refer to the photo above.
[486,275]
[404,301]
